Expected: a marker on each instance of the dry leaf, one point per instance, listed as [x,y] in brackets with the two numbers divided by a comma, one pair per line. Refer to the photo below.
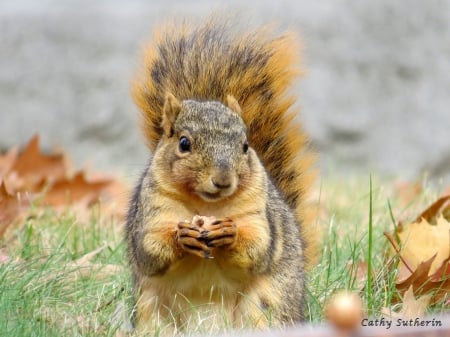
[115,199]
[443,272]
[86,268]
[7,161]
[424,252]
[420,241]
[12,207]
[411,307]
[32,171]
[439,207]
[46,175]
[75,190]
[33,167]
[418,278]
[423,283]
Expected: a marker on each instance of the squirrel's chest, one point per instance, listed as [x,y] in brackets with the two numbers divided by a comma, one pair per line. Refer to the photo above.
[196,277]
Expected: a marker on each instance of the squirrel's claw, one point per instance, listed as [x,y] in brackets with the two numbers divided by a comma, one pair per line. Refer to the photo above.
[220,234]
[190,240]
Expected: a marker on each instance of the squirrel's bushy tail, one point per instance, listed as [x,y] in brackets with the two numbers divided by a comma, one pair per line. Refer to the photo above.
[215,59]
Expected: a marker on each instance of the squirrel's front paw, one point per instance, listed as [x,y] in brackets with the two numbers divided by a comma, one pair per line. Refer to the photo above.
[190,239]
[220,233]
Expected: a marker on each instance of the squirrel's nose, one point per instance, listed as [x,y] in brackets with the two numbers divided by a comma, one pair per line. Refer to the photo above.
[221,182]
[222,175]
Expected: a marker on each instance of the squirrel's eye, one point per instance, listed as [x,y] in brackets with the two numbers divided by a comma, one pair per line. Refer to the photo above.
[184,144]
[245,147]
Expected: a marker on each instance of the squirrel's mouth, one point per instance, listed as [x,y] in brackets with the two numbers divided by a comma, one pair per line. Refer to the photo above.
[211,196]
[216,196]
[215,191]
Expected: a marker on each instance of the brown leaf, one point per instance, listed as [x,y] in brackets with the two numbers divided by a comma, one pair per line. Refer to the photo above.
[85,267]
[418,278]
[440,206]
[412,307]
[420,241]
[75,190]
[87,258]
[424,252]
[115,199]
[423,283]
[33,167]
[7,161]
[443,271]
[32,173]
[12,207]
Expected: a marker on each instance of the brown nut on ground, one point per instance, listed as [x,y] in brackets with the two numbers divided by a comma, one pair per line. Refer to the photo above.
[344,310]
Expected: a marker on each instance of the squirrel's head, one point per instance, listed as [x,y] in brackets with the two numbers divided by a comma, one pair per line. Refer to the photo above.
[204,148]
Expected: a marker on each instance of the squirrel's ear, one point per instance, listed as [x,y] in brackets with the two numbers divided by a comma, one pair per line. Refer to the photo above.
[170,112]
[233,104]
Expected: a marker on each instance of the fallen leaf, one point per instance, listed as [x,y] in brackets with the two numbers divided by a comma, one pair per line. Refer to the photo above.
[115,199]
[12,207]
[411,307]
[84,266]
[7,161]
[46,178]
[417,278]
[424,283]
[423,250]
[75,190]
[443,272]
[86,259]
[420,241]
[439,207]
[33,167]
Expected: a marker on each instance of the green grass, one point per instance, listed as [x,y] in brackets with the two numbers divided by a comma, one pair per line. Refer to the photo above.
[42,292]
[357,214]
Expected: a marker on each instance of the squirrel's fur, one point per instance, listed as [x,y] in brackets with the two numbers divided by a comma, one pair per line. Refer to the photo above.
[214,60]
[187,72]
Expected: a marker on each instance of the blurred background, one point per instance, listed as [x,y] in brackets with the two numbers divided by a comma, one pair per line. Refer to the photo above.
[375,96]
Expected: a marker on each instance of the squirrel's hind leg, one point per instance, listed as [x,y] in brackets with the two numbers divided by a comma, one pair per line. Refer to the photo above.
[152,317]
[256,308]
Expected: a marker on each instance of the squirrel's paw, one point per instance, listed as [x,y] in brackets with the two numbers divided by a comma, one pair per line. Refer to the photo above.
[220,233]
[190,239]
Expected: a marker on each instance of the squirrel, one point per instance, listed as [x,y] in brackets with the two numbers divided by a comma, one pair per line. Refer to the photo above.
[217,227]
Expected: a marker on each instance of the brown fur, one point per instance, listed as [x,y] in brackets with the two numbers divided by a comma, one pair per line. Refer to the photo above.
[226,150]
[214,60]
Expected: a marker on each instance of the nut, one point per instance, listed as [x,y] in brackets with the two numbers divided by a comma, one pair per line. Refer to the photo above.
[344,310]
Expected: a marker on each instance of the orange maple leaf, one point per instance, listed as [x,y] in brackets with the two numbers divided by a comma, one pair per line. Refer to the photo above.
[75,190]
[12,206]
[33,167]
